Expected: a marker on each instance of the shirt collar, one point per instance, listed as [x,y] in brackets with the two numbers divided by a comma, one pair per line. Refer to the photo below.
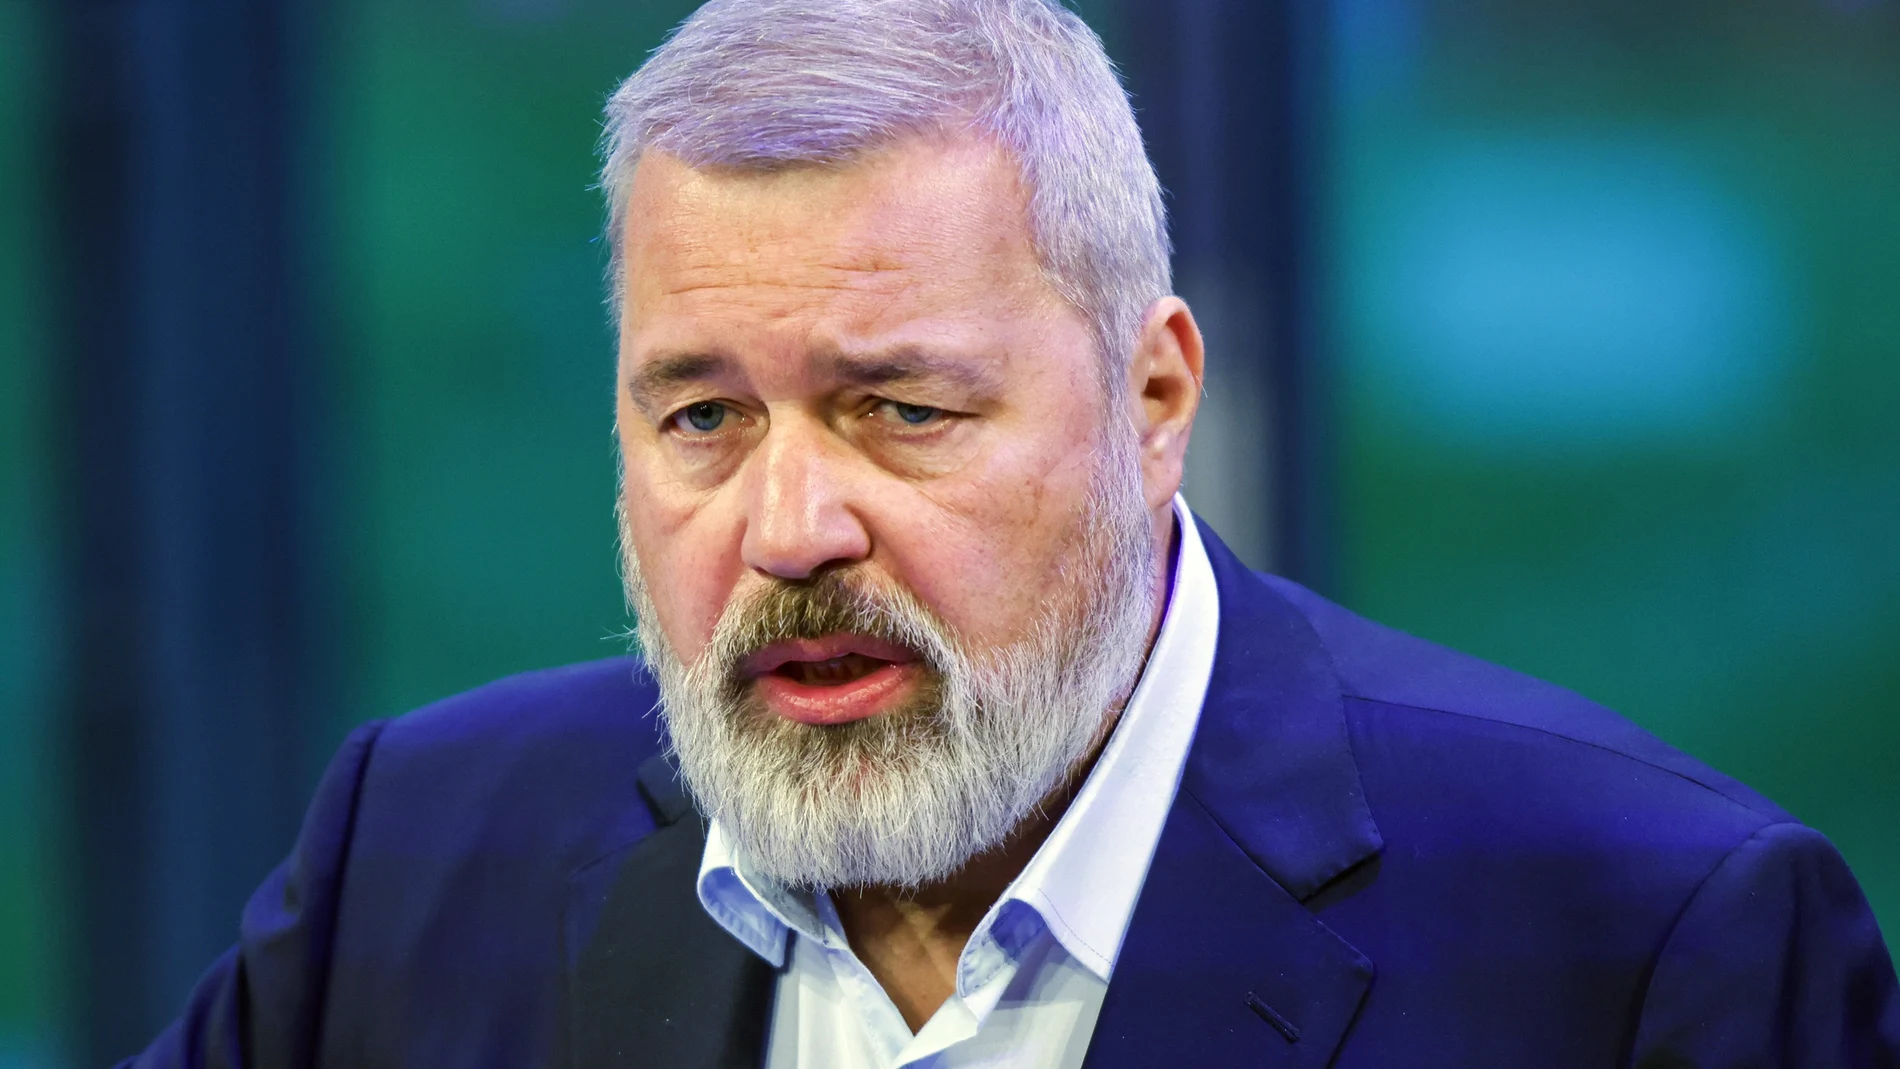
[1082,884]
[757,913]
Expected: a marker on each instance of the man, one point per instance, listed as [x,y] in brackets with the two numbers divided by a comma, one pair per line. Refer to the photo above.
[974,748]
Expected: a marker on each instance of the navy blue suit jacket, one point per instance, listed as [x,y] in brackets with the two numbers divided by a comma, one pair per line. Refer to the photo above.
[1383,854]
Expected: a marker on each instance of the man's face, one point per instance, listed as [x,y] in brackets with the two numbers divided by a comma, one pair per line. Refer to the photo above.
[861,365]
[880,516]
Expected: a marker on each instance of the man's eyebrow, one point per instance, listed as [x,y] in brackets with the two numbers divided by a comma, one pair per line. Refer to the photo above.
[654,379]
[909,365]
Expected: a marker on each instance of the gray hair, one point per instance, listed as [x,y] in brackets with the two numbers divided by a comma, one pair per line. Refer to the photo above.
[763,84]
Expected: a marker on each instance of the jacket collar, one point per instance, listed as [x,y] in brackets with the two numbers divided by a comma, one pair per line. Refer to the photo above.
[1224,955]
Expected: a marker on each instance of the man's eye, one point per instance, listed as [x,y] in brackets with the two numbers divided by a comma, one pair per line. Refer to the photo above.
[702,418]
[914,415]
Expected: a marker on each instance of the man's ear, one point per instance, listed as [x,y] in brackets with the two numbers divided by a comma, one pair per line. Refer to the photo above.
[1164,393]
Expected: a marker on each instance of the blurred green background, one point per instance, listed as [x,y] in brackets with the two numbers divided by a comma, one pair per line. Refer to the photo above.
[1615,296]
[1611,308]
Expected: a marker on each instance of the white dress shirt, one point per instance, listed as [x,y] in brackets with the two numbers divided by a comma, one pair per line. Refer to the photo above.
[1031,979]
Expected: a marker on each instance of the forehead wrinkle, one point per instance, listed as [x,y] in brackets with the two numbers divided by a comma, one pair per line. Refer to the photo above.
[749,267]
[703,286]
[908,364]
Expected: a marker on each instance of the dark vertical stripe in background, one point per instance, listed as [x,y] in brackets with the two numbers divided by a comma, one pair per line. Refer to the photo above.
[186,401]
[1227,92]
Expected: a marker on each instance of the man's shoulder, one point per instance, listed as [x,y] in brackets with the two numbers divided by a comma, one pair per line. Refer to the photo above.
[549,757]
[1466,715]
[436,872]
[1515,859]
[614,695]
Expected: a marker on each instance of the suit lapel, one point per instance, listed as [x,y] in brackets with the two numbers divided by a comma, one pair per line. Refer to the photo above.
[1222,966]
[655,982]
[1224,959]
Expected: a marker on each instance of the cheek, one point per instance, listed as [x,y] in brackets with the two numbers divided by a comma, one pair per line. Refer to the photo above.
[984,550]
[688,554]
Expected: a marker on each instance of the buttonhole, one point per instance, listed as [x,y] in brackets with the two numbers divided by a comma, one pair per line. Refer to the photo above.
[1272,1016]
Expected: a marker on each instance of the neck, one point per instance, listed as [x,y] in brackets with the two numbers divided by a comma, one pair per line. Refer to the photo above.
[911,937]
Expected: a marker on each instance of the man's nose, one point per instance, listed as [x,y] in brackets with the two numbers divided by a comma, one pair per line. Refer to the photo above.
[800,514]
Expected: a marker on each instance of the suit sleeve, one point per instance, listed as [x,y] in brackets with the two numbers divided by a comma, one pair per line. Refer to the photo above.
[261,1005]
[1775,962]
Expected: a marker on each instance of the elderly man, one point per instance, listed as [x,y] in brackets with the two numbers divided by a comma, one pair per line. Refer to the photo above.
[974,747]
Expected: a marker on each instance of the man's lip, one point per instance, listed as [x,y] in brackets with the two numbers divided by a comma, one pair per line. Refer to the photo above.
[778,654]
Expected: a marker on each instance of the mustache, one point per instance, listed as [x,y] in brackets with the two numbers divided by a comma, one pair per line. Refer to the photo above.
[834,602]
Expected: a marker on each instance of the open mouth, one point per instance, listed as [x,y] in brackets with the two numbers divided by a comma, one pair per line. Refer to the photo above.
[831,672]
[829,660]
[833,679]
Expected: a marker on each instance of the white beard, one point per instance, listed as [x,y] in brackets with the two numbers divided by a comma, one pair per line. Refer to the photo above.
[908,797]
